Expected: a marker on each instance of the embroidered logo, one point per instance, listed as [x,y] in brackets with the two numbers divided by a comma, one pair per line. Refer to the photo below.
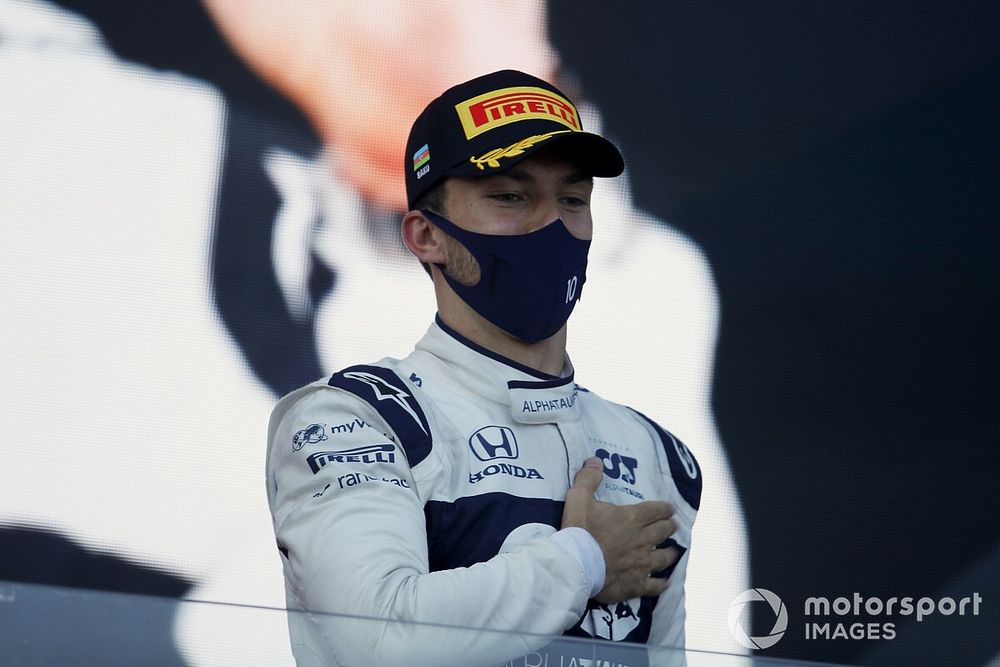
[310,435]
[510,105]
[492,158]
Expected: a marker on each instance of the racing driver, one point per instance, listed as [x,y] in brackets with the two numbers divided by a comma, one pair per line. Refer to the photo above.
[471,503]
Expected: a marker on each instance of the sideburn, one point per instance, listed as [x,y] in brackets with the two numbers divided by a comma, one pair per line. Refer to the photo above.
[462,266]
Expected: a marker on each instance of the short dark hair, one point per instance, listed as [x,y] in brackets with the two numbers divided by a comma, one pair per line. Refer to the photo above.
[434,200]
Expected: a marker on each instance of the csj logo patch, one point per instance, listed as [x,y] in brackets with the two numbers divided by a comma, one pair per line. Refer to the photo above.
[493,442]
[310,435]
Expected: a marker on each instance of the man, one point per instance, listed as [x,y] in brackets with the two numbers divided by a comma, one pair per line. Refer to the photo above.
[457,486]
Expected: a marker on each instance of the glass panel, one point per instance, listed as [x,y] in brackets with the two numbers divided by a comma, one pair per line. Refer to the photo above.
[43,625]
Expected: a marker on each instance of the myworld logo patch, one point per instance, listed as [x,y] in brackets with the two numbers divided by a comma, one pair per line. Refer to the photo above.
[738,630]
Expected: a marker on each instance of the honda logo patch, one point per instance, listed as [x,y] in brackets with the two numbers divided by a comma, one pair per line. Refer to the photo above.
[493,442]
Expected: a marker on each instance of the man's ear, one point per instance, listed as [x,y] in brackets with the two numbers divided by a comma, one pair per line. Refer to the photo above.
[423,238]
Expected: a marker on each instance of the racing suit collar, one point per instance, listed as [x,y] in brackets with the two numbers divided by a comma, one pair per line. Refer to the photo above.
[533,397]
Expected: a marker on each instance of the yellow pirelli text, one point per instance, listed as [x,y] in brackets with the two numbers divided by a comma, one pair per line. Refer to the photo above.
[510,105]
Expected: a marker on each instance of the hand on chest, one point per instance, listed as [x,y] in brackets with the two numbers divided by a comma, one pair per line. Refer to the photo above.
[504,479]
[541,460]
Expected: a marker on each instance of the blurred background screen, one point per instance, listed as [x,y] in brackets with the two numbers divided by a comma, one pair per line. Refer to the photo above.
[199,209]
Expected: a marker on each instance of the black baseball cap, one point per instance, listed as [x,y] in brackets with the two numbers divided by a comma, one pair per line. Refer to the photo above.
[489,124]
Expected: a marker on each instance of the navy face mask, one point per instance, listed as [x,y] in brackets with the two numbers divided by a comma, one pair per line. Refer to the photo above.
[528,283]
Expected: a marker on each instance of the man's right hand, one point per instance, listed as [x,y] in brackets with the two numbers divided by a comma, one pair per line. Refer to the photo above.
[627,534]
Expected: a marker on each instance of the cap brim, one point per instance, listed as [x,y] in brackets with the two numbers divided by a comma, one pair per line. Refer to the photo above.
[595,155]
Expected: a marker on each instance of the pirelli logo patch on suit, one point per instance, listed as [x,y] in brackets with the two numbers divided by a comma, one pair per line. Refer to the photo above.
[384,453]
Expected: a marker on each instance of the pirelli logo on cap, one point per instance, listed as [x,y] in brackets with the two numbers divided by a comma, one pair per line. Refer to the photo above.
[509,105]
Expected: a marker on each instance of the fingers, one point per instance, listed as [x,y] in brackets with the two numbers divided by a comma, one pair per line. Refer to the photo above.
[654,586]
[651,511]
[580,497]
[590,476]
[645,579]
[657,532]
[661,559]
[653,563]
[632,587]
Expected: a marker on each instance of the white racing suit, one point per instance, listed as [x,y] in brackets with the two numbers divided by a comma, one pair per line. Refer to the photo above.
[428,489]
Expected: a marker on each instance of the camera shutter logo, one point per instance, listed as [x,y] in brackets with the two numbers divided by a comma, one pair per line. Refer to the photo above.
[780,618]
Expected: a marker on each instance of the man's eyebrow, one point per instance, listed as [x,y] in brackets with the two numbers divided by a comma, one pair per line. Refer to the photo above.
[523,176]
[578,177]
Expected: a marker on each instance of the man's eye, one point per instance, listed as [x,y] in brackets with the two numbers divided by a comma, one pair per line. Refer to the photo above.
[507,197]
[574,202]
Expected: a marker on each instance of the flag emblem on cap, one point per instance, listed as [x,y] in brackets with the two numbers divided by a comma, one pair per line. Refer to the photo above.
[421,157]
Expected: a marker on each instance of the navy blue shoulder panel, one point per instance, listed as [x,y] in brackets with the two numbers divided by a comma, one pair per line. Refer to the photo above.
[683,466]
[388,394]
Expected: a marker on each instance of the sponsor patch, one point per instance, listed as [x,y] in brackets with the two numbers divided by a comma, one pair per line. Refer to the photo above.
[310,435]
[349,427]
[383,453]
[389,395]
[355,478]
[620,488]
[618,466]
[508,469]
[510,105]
[612,622]
[493,442]
[386,392]
[561,403]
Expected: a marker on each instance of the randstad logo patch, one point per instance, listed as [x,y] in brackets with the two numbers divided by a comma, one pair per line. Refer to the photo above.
[510,105]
